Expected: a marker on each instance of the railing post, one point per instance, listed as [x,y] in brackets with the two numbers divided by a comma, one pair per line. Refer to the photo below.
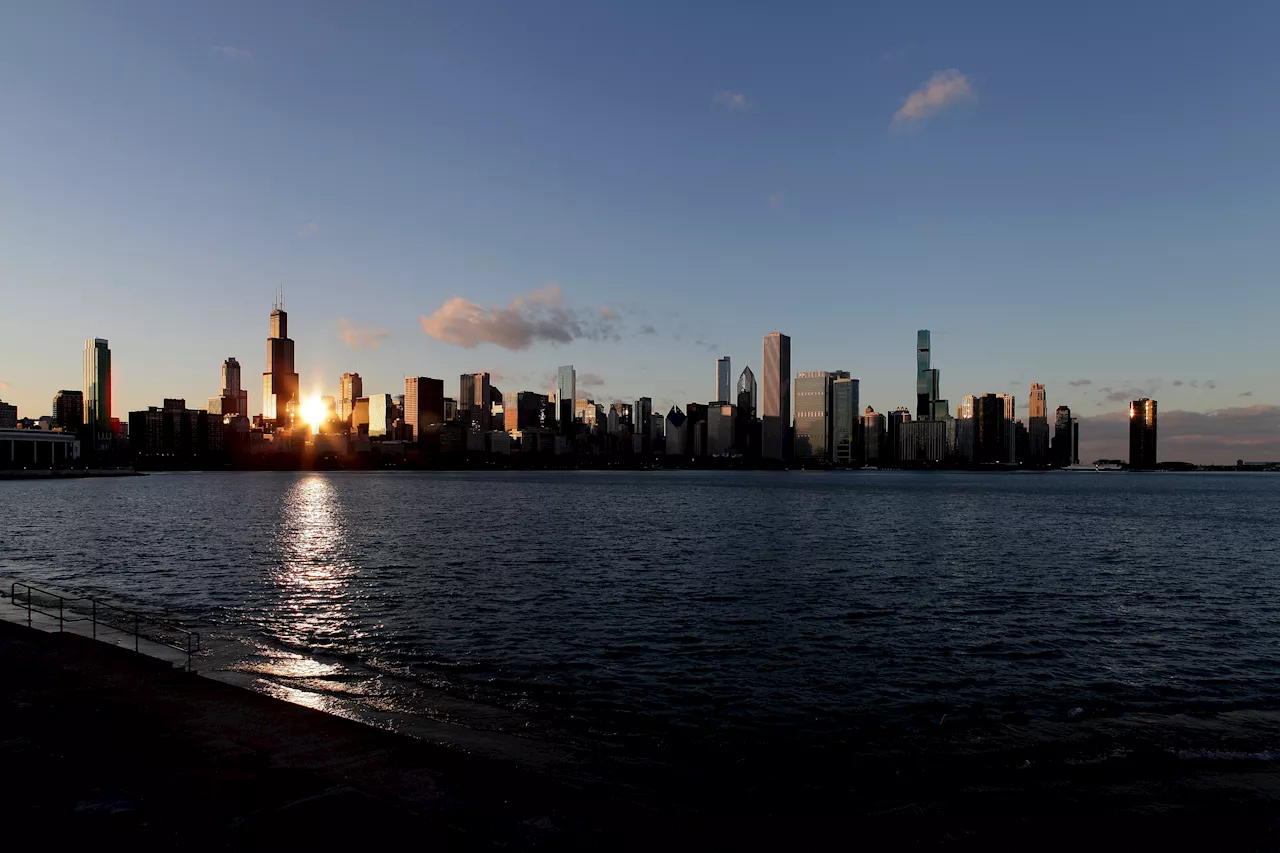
[59,614]
[95,617]
[135,632]
[28,607]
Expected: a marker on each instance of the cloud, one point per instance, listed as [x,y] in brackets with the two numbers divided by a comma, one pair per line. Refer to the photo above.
[361,337]
[5,386]
[732,101]
[1078,383]
[1120,395]
[943,88]
[775,200]
[1210,384]
[234,54]
[308,229]
[1245,394]
[1217,437]
[707,345]
[541,316]
[647,329]
[588,378]
[1177,383]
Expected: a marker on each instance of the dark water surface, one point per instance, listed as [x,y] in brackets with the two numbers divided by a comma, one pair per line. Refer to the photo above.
[757,630]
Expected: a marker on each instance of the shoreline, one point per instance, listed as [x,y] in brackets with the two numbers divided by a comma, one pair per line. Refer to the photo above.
[69,473]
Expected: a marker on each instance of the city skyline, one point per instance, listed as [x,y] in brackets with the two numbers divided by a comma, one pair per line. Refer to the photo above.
[401,211]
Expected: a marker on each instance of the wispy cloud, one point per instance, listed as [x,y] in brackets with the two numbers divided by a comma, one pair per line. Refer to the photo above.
[1245,394]
[1177,383]
[1079,383]
[361,337]
[732,101]
[308,229]
[5,386]
[647,329]
[233,54]
[939,91]
[541,316]
[709,346]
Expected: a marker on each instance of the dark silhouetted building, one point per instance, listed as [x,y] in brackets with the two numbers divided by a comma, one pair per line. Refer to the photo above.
[1142,434]
[873,424]
[475,401]
[280,382]
[174,436]
[896,418]
[724,380]
[813,415]
[991,436]
[68,410]
[566,397]
[846,432]
[1065,447]
[350,389]
[423,406]
[232,399]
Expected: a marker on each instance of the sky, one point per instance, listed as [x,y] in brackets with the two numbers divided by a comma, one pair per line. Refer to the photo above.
[1084,195]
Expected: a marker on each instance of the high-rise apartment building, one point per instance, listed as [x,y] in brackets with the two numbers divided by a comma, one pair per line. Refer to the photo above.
[280,382]
[1008,415]
[8,420]
[724,380]
[813,415]
[894,423]
[566,396]
[423,405]
[68,410]
[845,431]
[991,442]
[1142,434]
[350,389]
[97,385]
[873,425]
[775,403]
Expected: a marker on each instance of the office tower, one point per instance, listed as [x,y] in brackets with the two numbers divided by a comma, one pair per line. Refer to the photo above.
[232,399]
[922,441]
[966,407]
[382,416]
[68,410]
[497,409]
[641,415]
[1142,434]
[423,405]
[990,436]
[613,421]
[350,388]
[1008,435]
[926,378]
[1037,401]
[775,406]
[280,382]
[722,430]
[873,424]
[1062,449]
[475,401]
[724,380]
[677,432]
[360,417]
[695,429]
[845,432]
[747,392]
[97,385]
[530,411]
[893,423]
[813,415]
[1075,441]
[566,394]
[8,417]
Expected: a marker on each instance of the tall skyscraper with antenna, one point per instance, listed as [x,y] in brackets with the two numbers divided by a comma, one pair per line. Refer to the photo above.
[280,382]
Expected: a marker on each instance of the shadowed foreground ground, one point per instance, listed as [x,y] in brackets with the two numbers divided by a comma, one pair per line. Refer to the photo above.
[102,746]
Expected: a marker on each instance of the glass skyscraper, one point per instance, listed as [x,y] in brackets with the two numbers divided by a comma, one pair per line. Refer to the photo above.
[813,415]
[280,382]
[747,392]
[566,395]
[845,433]
[1142,434]
[775,405]
[724,380]
[926,378]
[97,385]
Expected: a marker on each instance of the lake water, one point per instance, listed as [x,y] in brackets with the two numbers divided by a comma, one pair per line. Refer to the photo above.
[758,632]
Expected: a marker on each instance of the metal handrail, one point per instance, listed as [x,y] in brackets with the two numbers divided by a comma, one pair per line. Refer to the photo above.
[185,641]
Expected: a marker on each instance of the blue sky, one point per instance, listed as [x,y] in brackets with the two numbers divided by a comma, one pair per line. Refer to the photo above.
[1084,192]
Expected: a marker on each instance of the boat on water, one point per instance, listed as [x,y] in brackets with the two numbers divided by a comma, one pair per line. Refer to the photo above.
[1100,465]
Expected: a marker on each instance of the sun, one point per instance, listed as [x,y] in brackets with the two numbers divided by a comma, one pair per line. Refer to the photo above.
[314,411]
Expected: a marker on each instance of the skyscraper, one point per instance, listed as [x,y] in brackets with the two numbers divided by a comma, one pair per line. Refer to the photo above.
[872,436]
[895,421]
[1063,449]
[231,399]
[724,380]
[775,406]
[747,393]
[845,434]
[1142,434]
[97,385]
[641,414]
[813,415]
[280,382]
[68,410]
[926,378]
[566,395]
[350,389]
[423,405]
[1037,428]
[475,401]
[1008,435]
[990,436]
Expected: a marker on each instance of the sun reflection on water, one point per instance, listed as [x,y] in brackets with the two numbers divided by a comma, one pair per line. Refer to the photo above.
[315,567]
